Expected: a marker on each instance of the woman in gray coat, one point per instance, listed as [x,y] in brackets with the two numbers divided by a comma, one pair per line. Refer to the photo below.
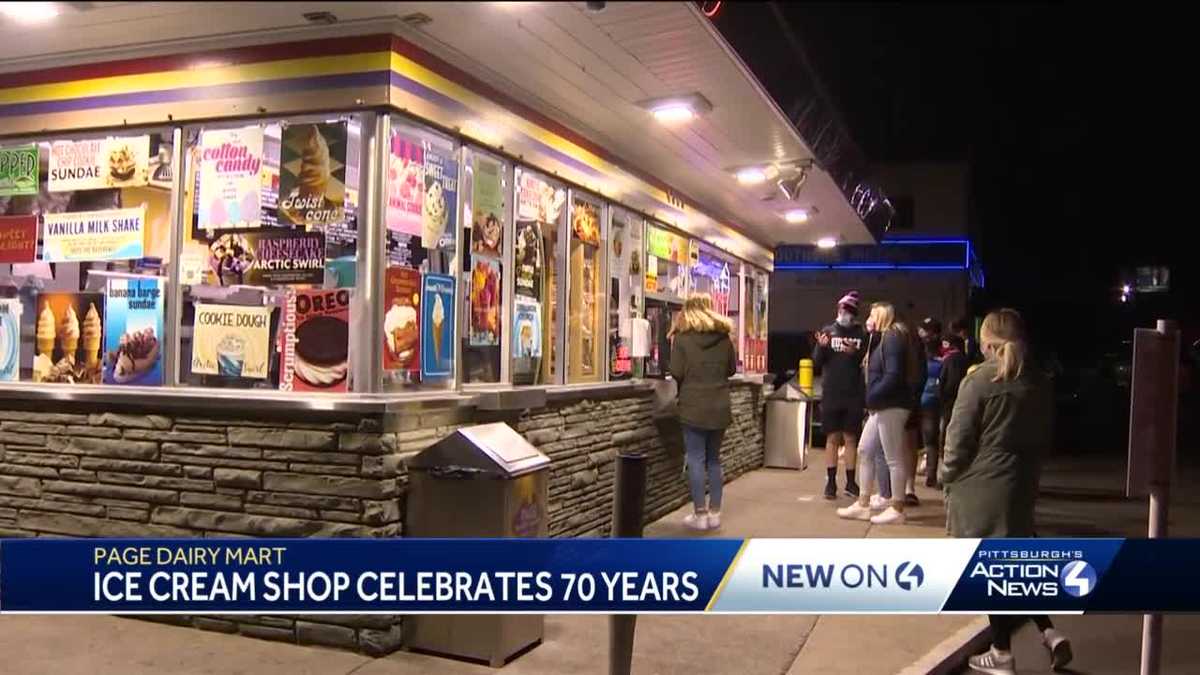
[1001,428]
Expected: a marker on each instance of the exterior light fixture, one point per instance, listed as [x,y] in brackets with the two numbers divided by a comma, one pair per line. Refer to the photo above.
[29,12]
[677,109]
[751,175]
[826,242]
[796,216]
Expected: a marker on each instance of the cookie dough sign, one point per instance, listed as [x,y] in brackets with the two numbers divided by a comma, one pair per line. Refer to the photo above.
[99,163]
[231,341]
[118,234]
[315,341]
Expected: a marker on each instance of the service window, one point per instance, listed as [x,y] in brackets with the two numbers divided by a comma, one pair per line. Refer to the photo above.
[666,264]
[486,178]
[625,258]
[718,275]
[420,289]
[754,349]
[537,289]
[585,296]
[268,255]
[85,232]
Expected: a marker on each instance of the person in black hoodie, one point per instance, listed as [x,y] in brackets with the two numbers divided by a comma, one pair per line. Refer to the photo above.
[889,402]
[838,356]
[702,361]
[954,369]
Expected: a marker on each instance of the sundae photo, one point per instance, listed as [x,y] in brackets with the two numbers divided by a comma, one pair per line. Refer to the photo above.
[230,256]
[485,304]
[136,355]
[122,164]
[433,215]
[402,334]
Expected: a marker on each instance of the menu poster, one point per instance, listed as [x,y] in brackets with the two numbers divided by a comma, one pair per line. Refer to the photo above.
[10,339]
[68,338]
[402,320]
[19,170]
[18,239]
[527,329]
[100,163]
[230,163]
[440,203]
[268,257]
[405,186]
[585,222]
[529,260]
[437,326]
[231,341]
[133,332]
[487,201]
[538,200]
[484,328]
[312,174]
[118,234]
[315,341]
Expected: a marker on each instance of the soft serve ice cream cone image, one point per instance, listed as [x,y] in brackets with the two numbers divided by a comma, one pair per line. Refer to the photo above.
[91,337]
[316,198]
[313,178]
[70,334]
[46,332]
[438,316]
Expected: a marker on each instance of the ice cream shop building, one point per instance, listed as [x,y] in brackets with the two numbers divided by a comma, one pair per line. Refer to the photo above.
[251,261]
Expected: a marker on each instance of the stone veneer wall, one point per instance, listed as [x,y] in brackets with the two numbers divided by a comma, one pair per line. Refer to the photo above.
[120,472]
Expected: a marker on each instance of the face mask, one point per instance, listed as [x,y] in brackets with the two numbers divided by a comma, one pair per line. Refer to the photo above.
[844,319]
[870,325]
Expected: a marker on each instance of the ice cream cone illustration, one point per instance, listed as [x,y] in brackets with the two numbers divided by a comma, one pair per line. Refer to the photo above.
[313,178]
[91,337]
[45,331]
[439,316]
[70,333]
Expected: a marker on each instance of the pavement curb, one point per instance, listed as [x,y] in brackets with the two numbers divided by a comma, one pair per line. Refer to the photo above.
[951,654]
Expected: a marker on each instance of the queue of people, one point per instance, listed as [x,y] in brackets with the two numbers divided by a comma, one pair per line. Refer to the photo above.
[982,428]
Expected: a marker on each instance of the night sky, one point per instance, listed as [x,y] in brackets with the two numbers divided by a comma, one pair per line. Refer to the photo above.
[1019,90]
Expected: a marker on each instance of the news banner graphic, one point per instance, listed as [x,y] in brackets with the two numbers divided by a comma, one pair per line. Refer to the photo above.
[412,576]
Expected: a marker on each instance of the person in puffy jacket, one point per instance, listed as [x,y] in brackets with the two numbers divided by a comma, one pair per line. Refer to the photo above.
[889,401]
[1002,427]
[702,361]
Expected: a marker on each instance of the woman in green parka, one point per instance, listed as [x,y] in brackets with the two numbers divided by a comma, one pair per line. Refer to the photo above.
[1001,428]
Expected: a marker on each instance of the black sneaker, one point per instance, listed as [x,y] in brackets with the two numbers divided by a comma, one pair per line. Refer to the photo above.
[931,481]
[852,489]
[911,500]
[831,489]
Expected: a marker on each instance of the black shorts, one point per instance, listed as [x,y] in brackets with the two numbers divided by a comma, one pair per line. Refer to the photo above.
[842,418]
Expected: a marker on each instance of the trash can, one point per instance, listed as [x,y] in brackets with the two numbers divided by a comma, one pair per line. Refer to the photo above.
[788,427]
[481,481]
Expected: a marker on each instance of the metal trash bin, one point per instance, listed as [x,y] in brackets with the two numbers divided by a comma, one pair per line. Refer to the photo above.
[788,427]
[481,481]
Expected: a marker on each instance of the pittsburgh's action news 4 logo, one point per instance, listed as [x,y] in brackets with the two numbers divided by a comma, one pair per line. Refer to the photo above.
[1034,574]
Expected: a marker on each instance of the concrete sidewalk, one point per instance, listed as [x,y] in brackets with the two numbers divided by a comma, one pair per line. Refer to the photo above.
[765,503]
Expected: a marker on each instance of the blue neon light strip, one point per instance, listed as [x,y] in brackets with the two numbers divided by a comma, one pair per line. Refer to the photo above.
[966,264]
[868,267]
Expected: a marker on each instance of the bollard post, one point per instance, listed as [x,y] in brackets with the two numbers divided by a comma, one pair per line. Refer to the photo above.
[629,505]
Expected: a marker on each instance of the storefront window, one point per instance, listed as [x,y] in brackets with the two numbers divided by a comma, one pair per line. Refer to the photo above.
[665,287]
[754,349]
[420,286]
[719,276]
[84,248]
[541,217]
[268,259]
[625,291]
[486,215]
[585,336]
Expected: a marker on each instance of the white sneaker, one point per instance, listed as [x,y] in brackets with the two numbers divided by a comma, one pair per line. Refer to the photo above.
[889,517]
[855,511]
[696,521]
[993,662]
[1059,647]
[714,520]
[879,503]
[921,466]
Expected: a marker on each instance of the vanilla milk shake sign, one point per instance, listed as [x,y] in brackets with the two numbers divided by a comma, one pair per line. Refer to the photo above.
[231,341]
[119,234]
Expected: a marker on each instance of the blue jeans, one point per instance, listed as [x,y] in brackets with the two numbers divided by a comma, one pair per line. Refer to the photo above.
[703,448]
